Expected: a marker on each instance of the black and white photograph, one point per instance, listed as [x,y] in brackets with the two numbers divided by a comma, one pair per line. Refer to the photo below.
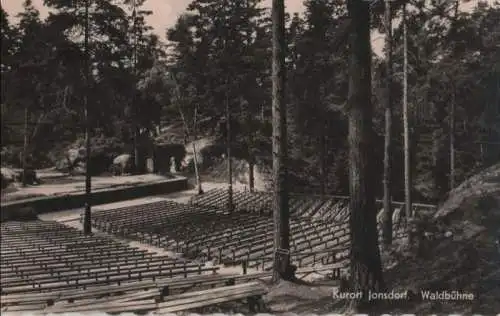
[250,157]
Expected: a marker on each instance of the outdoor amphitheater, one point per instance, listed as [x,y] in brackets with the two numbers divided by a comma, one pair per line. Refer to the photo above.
[169,256]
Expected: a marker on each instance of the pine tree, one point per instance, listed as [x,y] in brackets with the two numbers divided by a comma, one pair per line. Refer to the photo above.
[366,269]
[142,51]
[8,38]
[282,268]
[387,218]
[32,61]
[230,45]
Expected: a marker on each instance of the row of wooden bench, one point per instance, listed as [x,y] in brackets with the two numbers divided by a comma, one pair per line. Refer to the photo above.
[331,208]
[147,301]
[208,234]
[261,202]
[42,256]
[148,296]
[145,215]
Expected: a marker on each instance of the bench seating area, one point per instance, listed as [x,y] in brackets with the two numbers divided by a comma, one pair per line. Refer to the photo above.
[261,202]
[141,301]
[252,292]
[333,208]
[165,295]
[38,257]
[52,268]
[148,215]
[150,289]
[205,233]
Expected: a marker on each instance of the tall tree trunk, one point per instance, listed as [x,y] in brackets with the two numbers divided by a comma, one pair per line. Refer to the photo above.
[196,170]
[154,152]
[230,203]
[440,158]
[366,267]
[453,30]
[322,160]
[25,146]
[251,151]
[137,158]
[138,164]
[387,215]
[87,222]
[195,154]
[282,269]
[187,132]
[452,138]
[406,125]
[251,174]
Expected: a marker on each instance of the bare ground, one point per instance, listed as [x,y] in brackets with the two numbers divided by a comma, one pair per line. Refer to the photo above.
[61,185]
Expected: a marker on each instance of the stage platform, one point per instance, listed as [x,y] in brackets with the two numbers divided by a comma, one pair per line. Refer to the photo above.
[73,196]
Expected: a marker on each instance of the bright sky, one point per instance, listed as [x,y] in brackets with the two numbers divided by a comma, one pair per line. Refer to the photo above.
[165,12]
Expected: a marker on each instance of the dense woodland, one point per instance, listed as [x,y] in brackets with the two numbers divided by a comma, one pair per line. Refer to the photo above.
[238,63]
[218,59]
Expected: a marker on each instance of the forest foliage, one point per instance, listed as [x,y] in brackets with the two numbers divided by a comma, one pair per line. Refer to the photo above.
[219,51]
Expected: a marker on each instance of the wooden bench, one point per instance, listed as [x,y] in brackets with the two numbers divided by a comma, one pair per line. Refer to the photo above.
[90,293]
[113,306]
[159,289]
[115,279]
[34,298]
[145,271]
[24,308]
[301,206]
[78,300]
[211,280]
[151,294]
[106,290]
[252,291]
[227,237]
[61,266]
[38,263]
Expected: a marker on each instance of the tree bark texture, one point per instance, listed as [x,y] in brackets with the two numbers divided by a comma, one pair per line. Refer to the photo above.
[406,125]
[452,138]
[365,262]
[387,215]
[322,161]
[195,154]
[196,170]
[251,174]
[230,204]
[280,208]
[25,146]
[87,223]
